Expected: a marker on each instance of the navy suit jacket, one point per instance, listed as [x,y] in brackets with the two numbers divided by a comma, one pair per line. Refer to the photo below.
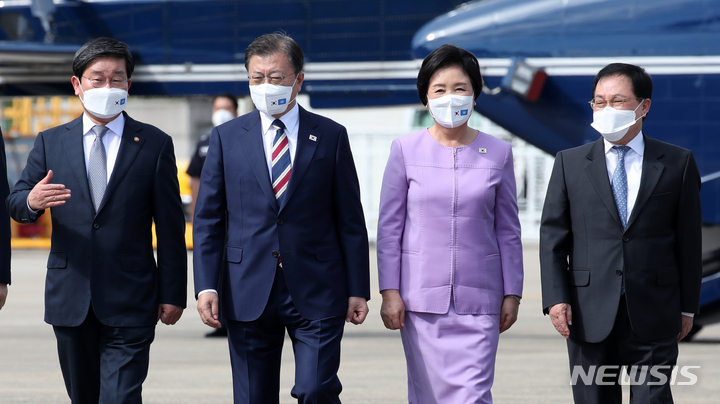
[585,253]
[4,218]
[319,231]
[106,259]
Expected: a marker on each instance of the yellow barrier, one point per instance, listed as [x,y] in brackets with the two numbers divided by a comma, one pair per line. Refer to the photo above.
[44,242]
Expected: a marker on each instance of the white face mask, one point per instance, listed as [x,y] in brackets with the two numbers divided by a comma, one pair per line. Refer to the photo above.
[613,123]
[451,111]
[221,116]
[272,99]
[104,102]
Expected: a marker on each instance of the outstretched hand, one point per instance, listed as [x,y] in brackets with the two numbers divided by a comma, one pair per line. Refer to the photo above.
[46,195]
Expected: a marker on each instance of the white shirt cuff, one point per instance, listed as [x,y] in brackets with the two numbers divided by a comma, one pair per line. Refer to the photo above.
[206,291]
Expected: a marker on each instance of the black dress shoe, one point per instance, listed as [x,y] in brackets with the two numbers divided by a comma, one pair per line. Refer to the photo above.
[218,332]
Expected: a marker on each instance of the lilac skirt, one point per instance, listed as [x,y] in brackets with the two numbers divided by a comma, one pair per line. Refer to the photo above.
[450,357]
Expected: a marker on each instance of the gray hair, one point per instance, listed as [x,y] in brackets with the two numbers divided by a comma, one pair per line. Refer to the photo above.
[269,44]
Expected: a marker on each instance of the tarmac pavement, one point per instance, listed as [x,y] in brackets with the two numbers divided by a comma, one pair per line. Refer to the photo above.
[185,367]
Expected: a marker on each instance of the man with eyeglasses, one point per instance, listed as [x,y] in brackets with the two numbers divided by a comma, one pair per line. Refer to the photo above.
[279,230]
[620,247]
[106,178]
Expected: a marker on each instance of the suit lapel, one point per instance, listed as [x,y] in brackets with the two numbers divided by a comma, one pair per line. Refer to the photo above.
[597,172]
[129,148]
[304,151]
[652,169]
[73,144]
[252,146]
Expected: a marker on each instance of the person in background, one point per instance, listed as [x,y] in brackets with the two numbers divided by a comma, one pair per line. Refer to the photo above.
[620,246]
[224,108]
[107,179]
[5,251]
[280,232]
[448,245]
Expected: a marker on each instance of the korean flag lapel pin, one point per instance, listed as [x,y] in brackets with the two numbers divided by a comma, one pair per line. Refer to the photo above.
[313,138]
[483,150]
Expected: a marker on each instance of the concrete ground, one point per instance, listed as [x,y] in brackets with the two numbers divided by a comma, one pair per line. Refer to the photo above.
[185,367]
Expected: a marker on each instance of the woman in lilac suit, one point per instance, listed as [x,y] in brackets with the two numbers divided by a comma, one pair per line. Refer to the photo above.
[449,251]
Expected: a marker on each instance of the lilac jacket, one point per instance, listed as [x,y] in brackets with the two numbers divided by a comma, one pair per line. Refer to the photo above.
[449,223]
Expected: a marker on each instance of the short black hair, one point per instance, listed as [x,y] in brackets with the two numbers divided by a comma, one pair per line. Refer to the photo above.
[102,47]
[642,84]
[444,56]
[270,44]
[229,97]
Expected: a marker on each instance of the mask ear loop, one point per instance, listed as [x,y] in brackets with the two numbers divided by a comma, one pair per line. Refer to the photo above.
[643,115]
[293,86]
[428,107]
[635,110]
[81,90]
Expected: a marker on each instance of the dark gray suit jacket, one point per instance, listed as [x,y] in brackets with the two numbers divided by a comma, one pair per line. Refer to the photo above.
[584,251]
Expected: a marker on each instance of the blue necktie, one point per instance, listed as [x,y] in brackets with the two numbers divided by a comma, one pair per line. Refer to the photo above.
[619,184]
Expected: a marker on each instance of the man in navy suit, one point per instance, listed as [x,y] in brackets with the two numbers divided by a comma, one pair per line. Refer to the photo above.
[279,231]
[4,228]
[104,290]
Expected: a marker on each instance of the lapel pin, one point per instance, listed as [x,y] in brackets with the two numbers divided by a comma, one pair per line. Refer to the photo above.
[483,150]
[313,138]
[137,139]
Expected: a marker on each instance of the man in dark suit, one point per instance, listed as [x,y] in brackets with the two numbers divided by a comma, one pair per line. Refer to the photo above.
[4,228]
[104,290]
[620,247]
[279,231]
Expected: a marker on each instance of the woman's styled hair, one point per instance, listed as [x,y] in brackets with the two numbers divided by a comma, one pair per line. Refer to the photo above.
[444,56]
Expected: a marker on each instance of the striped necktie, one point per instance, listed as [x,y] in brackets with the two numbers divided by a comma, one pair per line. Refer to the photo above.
[97,166]
[281,166]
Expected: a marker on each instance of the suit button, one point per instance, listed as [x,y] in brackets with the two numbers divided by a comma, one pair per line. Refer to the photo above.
[280,221]
[96,226]
[275,254]
[625,239]
[618,272]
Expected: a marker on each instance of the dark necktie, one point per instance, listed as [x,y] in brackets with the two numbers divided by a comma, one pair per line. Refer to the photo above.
[97,170]
[281,167]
